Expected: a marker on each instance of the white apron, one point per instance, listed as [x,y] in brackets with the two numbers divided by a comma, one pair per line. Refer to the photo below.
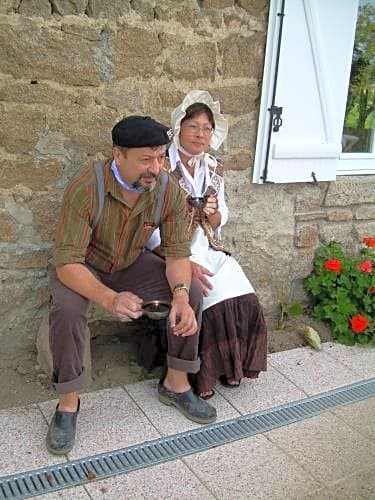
[228,281]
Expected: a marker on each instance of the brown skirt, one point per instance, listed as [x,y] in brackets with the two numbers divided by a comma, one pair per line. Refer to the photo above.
[233,342]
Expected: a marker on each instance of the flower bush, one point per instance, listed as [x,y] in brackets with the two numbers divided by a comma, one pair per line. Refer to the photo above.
[343,291]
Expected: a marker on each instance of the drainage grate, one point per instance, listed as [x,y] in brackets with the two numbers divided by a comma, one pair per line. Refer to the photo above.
[65,475]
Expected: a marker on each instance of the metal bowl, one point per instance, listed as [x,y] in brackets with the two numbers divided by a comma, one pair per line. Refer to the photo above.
[197,201]
[156,309]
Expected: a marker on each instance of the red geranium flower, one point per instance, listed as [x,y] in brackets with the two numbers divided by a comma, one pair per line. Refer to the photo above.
[365,266]
[333,265]
[370,242]
[372,290]
[358,323]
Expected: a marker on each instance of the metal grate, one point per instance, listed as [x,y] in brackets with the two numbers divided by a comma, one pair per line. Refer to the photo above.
[75,473]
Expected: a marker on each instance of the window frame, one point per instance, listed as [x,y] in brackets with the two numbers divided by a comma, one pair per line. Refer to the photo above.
[348,164]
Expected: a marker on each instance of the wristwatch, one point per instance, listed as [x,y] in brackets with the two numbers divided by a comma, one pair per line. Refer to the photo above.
[179,287]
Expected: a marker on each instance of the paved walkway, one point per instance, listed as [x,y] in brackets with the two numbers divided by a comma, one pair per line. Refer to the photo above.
[330,456]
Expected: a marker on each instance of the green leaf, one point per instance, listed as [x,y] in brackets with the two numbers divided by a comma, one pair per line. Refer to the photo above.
[346,339]
[363,339]
[295,310]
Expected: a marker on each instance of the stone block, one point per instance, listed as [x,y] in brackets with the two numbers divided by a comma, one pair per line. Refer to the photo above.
[310,216]
[108,9]
[217,4]
[135,51]
[145,8]
[308,236]
[94,132]
[69,7]
[20,91]
[22,294]
[8,6]
[242,135]
[240,161]
[310,199]
[184,12]
[8,228]
[192,62]
[30,49]
[298,292]
[242,55]
[123,97]
[339,215]
[37,178]
[254,7]
[170,98]
[240,20]
[45,209]
[88,29]
[342,232]
[24,258]
[364,229]
[38,8]
[302,263]
[365,212]
[24,124]
[237,99]
[350,191]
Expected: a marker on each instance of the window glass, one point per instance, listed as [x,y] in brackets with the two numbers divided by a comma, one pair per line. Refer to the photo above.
[359,125]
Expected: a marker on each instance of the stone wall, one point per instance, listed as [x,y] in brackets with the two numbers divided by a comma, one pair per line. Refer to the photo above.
[69,69]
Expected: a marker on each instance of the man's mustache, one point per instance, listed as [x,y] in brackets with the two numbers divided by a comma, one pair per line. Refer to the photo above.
[148,175]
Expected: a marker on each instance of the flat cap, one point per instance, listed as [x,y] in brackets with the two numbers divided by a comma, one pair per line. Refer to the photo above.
[140,131]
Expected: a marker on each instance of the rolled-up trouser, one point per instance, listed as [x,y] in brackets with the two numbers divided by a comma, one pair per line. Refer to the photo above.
[68,319]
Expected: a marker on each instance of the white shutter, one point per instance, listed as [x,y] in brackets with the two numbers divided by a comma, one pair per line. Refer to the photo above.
[311,87]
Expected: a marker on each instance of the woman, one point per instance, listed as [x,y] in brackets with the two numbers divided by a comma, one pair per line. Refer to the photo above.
[233,338]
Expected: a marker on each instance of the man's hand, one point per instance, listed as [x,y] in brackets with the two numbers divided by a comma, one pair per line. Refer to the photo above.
[199,272]
[182,318]
[127,306]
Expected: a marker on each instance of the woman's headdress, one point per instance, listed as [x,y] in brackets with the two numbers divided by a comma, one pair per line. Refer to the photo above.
[221,125]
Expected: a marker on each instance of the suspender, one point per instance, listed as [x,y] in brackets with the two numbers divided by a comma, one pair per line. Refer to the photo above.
[159,206]
[100,182]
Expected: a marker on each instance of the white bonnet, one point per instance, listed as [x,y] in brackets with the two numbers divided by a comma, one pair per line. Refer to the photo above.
[221,124]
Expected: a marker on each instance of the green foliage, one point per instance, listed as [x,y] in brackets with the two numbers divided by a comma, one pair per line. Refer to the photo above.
[360,116]
[341,291]
[288,312]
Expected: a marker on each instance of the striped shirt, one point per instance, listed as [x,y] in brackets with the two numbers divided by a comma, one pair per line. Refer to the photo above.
[121,233]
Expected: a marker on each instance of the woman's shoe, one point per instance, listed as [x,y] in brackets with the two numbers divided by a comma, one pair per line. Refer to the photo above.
[224,381]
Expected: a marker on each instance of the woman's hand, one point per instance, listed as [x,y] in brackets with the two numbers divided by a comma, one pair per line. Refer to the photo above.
[199,272]
[211,206]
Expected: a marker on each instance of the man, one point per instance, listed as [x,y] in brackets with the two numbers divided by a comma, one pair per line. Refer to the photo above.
[104,261]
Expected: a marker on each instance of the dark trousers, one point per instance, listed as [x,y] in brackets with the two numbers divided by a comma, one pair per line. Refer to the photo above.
[68,319]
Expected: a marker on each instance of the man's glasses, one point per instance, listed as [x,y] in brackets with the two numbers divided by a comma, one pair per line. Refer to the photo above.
[195,129]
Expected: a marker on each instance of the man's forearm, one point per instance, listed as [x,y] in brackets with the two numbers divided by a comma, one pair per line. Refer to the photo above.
[81,280]
[178,270]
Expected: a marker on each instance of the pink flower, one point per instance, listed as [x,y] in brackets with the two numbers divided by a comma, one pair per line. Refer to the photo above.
[365,266]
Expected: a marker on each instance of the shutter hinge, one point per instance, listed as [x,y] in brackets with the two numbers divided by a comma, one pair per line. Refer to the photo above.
[277,121]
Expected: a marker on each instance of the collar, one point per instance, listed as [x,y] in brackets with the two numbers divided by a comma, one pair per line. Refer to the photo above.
[112,187]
